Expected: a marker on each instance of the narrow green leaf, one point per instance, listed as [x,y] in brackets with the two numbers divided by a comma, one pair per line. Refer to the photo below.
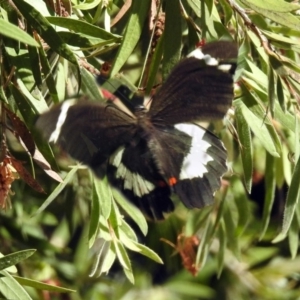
[94,215]
[46,68]
[222,248]
[134,246]
[85,42]
[11,289]
[122,255]
[291,203]
[87,4]
[263,131]
[90,86]
[107,263]
[61,80]
[172,37]
[244,135]
[11,269]
[237,189]
[103,257]
[228,12]
[138,14]
[195,6]
[277,6]
[280,37]
[42,286]
[271,89]
[57,190]
[126,230]
[14,32]
[294,237]
[286,119]
[14,258]
[270,185]
[280,94]
[25,109]
[102,191]
[189,289]
[84,28]
[132,211]
[230,226]
[155,63]
[35,67]
[38,104]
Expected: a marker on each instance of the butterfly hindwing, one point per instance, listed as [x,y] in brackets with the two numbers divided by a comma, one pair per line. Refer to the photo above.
[132,170]
[202,168]
[192,161]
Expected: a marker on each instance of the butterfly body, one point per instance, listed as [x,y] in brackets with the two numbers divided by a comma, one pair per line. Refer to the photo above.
[151,153]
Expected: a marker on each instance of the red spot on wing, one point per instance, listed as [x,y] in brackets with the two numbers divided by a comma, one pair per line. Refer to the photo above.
[172,181]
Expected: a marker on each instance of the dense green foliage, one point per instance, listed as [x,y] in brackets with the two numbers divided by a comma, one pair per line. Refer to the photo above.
[85,235]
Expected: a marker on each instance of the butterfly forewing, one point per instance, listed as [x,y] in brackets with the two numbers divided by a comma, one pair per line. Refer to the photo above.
[90,132]
[198,88]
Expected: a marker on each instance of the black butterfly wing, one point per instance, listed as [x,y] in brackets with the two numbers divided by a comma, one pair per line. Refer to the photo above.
[192,160]
[87,131]
[132,170]
[200,87]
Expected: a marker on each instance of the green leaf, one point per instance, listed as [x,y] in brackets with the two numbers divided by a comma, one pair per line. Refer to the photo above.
[263,131]
[138,14]
[280,94]
[270,185]
[123,258]
[132,211]
[191,290]
[134,246]
[280,38]
[244,135]
[90,86]
[47,71]
[222,249]
[172,37]
[95,214]
[103,258]
[230,225]
[14,32]
[87,5]
[275,6]
[102,191]
[42,286]
[84,28]
[155,63]
[294,237]
[271,90]
[291,203]
[57,190]
[195,6]
[11,289]
[14,258]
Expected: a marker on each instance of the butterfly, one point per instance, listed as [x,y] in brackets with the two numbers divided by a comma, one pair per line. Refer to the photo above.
[150,154]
